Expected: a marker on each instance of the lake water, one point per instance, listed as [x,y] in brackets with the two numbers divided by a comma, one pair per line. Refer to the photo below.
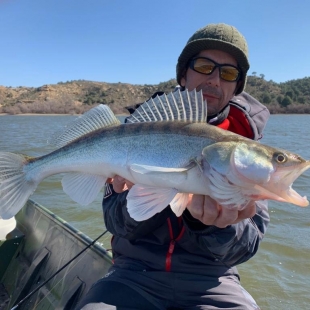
[278,276]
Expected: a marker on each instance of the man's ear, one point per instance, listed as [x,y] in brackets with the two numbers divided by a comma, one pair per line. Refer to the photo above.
[183,80]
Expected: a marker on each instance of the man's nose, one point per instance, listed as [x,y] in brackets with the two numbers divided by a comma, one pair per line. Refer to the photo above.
[214,78]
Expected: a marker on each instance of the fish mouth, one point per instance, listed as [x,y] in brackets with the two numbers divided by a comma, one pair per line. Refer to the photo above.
[279,187]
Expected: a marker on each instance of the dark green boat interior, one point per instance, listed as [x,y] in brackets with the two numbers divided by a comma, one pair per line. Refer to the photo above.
[38,247]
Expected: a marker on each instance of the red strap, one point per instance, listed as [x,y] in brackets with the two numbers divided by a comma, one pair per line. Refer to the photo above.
[172,244]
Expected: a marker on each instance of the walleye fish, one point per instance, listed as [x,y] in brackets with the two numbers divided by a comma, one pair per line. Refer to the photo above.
[166,149]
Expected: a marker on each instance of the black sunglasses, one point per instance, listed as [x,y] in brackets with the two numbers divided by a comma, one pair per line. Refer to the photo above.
[206,66]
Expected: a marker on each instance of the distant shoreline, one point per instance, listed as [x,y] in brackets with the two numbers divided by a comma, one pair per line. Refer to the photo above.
[43,114]
[34,114]
[120,115]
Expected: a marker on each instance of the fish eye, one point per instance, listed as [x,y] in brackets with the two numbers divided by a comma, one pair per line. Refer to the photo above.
[280,158]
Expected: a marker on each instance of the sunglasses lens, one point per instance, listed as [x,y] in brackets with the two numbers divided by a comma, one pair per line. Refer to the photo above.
[203,66]
[229,73]
[207,66]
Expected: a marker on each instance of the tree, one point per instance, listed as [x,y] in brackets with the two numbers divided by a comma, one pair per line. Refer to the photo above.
[289,94]
[266,98]
[286,101]
[301,100]
[279,99]
[89,101]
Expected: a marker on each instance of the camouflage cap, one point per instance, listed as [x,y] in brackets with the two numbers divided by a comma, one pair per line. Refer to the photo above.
[219,37]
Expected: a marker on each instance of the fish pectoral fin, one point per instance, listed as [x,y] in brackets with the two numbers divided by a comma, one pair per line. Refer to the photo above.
[143,202]
[179,203]
[83,188]
[144,169]
[172,177]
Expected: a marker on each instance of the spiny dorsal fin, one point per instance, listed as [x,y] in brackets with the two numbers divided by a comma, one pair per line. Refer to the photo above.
[94,119]
[176,106]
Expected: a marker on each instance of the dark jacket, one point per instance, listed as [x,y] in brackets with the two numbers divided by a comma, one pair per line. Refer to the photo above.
[184,244]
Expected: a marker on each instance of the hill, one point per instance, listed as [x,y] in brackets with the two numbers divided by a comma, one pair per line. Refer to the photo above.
[289,97]
[74,97]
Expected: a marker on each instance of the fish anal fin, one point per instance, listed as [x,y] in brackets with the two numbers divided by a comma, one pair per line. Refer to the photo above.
[83,188]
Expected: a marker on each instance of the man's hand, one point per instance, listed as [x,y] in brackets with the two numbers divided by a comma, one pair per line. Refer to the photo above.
[120,184]
[209,212]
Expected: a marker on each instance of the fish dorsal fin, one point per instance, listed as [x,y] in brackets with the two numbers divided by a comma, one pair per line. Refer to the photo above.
[176,106]
[96,118]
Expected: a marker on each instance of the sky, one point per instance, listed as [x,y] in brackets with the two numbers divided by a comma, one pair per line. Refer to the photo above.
[139,41]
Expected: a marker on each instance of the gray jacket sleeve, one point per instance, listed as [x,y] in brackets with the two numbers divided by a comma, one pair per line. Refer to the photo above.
[119,223]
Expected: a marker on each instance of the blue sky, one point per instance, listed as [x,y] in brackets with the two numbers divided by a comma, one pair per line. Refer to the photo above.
[139,41]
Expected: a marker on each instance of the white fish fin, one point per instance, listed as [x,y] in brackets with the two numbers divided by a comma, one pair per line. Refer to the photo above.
[83,188]
[179,203]
[15,189]
[226,193]
[145,169]
[145,201]
[176,106]
[161,174]
[94,119]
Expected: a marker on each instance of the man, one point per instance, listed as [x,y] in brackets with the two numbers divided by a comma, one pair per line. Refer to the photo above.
[189,262]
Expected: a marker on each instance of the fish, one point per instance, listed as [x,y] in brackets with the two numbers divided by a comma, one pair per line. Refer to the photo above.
[167,149]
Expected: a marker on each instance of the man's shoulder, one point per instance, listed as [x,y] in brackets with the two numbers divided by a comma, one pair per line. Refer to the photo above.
[256,113]
[250,104]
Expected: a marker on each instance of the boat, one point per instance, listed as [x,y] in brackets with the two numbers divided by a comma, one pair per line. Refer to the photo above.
[35,272]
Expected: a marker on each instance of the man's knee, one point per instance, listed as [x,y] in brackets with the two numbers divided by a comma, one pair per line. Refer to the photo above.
[104,294]
[97,306]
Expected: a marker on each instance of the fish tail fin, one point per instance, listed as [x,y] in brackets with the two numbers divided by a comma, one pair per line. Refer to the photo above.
[15,189]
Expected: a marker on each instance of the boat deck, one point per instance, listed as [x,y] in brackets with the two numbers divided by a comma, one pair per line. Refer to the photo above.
[36,250]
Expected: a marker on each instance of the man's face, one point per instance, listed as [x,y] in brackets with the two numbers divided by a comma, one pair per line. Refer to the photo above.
[216,91]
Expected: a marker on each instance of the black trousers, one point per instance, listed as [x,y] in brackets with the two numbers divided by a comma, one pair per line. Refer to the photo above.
[117,294]
[152,290]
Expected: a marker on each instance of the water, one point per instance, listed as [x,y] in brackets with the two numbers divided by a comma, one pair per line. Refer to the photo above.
[278,276]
